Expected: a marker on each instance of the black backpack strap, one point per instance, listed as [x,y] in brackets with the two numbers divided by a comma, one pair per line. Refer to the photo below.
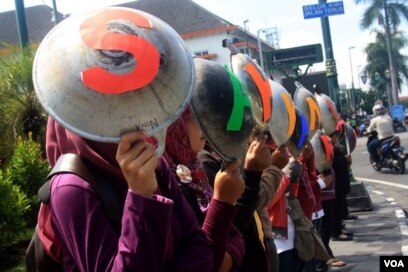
[37,259]
[73,164]
[192,200]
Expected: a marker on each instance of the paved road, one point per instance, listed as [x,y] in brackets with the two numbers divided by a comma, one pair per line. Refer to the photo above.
[394,185]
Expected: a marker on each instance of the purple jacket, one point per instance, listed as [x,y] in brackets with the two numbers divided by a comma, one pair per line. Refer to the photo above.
[158,234]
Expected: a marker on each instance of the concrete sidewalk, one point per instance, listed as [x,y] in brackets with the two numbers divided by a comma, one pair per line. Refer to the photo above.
[381,232]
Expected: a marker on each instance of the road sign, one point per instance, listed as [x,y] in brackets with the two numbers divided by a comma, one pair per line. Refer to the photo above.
[323,10]
[295,56]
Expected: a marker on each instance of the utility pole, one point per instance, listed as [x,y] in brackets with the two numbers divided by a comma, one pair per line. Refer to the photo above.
[260,49]
[55,12]
[21,23]
[246,37]
[352,96]
[331,70]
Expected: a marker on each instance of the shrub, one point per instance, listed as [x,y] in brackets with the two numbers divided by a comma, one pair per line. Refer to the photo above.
[13,205]
[28,170]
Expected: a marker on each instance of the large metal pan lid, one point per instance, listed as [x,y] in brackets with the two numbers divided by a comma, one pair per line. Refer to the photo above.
[282,123]
[259,89]
[323,151]
[221,105]
[328,112]
[299,138]
[307,104]
[103,72]
[349,139]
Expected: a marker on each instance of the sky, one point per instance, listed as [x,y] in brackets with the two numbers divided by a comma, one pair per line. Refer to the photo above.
[286,16]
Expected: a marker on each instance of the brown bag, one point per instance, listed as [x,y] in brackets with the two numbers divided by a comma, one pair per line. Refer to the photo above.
[308,243]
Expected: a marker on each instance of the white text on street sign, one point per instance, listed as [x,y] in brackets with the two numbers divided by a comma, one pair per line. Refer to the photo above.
[323,10]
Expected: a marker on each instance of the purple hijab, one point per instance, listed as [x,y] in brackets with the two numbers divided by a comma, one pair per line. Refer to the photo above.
[102,155]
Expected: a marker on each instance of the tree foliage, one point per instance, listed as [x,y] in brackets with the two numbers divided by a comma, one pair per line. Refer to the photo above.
[375,13]
[377,58]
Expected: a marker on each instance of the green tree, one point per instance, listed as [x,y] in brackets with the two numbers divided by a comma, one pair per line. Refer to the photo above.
[388,15]
[20,111]
[377,59]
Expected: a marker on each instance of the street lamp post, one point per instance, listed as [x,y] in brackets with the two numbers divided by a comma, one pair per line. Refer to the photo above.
[352,98]
[246,37]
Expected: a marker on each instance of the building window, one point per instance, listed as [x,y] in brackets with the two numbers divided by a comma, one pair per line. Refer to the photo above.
[201,53]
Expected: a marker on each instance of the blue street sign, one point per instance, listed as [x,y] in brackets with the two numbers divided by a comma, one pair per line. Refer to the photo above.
[323,10]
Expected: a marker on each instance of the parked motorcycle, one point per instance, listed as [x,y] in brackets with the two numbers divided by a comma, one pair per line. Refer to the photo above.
[398,126]
[392,154]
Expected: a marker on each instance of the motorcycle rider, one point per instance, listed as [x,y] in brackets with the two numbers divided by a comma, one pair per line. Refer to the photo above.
[383,124]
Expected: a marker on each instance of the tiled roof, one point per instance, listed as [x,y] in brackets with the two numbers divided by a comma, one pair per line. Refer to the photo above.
[185,16]
[39,23]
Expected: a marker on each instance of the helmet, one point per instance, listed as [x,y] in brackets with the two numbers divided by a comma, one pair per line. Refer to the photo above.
[378,109]
[222,108]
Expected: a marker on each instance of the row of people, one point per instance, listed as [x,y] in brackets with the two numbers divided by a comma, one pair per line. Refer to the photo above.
[189,209]
[240,212]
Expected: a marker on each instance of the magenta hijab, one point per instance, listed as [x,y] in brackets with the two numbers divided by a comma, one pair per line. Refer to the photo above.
[178,151]
[102,155]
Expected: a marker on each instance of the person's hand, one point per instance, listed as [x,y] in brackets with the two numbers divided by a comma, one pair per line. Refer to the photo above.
[348,158]
[229,184]
[292,170]
[307,151]
[258,156]
[280,157]
[138,162]
[328,179]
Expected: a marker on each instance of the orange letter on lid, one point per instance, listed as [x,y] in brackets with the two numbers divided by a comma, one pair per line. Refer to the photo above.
[264,89]
[314,111]
[332,109]
[290,107]
[95,34]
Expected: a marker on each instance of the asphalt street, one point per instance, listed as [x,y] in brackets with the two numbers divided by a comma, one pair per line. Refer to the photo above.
[393,185]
